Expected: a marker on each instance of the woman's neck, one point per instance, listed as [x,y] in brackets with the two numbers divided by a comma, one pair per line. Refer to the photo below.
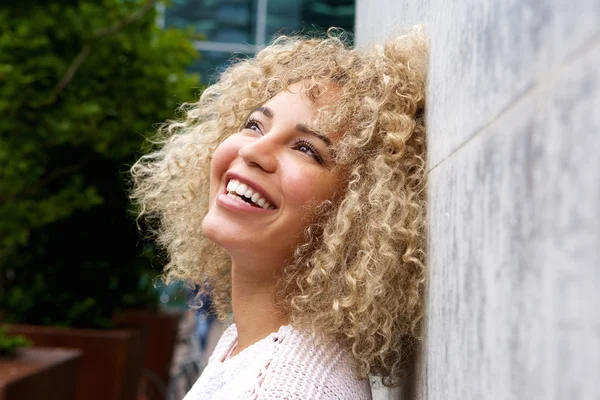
[252,300]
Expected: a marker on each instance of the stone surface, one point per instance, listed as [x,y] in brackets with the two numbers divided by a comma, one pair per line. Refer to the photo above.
[485,54]
[515,251]
[514,139]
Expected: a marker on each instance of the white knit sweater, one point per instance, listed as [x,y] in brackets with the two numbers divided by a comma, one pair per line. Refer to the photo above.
[284,365]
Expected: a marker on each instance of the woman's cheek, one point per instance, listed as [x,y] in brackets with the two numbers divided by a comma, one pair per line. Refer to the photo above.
[306,186]
[225,153]
[222,159]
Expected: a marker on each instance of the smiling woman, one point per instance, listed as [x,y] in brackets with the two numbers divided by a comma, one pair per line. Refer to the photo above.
[294,191]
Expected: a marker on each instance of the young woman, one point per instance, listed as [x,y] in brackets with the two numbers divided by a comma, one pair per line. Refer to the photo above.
[294,190]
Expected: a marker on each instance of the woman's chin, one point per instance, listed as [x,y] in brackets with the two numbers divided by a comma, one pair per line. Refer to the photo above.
[214,231]
[226,235]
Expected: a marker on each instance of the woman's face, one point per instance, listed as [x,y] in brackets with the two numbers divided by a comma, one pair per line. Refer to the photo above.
[267,180]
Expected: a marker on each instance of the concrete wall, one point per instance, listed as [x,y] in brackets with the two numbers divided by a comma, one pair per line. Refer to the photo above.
[514,172]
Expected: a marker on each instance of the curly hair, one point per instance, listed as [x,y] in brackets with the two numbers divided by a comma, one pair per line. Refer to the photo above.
[359,275]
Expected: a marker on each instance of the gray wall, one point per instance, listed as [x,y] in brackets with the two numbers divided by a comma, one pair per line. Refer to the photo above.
[514,207]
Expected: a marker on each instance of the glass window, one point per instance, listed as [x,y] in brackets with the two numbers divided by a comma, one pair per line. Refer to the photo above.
[220,21]
[239,28]
[308,16]
[212,63]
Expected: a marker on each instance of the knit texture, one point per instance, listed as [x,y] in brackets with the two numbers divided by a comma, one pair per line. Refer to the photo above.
[285,365]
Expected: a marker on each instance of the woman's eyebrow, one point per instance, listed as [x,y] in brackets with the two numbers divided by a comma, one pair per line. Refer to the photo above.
[305,129]
[267,112]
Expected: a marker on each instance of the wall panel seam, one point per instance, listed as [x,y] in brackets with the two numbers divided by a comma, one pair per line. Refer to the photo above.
[547,80]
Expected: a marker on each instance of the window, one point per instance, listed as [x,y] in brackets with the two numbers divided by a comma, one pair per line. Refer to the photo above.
[239,28]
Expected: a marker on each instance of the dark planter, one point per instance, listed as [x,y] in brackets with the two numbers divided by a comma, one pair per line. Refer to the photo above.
[40,374]
[159,336]
[111,363]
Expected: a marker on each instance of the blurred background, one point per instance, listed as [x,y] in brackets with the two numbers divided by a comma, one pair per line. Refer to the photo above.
[83,84]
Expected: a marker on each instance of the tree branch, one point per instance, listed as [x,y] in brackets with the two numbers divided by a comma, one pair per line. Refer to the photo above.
[68,76]
[85,51]
[125,21]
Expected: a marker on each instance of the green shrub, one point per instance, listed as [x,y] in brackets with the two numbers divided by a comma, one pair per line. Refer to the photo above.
[8,344]
[81,85]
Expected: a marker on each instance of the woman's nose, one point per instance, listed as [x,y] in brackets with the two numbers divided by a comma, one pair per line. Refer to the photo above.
[259,154]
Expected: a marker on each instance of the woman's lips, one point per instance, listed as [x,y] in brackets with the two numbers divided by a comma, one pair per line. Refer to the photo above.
[244,187]
[225,200]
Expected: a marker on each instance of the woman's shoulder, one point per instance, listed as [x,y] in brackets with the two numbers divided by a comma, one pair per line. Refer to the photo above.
[228,337]
[304,368]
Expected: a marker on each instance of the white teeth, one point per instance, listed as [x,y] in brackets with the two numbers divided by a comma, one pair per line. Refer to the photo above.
[236,189]
[233,196]
[241,189]
[232,185]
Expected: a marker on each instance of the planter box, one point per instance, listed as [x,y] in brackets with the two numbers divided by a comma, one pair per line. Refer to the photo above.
[40,374]
[111,364]
[159,336]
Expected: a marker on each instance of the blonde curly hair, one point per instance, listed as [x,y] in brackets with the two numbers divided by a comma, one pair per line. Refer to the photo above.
[358,277]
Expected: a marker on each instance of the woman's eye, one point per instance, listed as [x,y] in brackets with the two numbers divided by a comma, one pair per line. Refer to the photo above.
[309,149]
[252,125]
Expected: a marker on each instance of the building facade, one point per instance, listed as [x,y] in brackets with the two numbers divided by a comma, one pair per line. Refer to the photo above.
[239,28]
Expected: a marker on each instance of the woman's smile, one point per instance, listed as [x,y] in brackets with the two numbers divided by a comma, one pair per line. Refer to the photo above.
[241,194]
[247,194]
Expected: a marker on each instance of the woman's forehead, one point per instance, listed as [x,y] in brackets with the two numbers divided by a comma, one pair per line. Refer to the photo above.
[321,93]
